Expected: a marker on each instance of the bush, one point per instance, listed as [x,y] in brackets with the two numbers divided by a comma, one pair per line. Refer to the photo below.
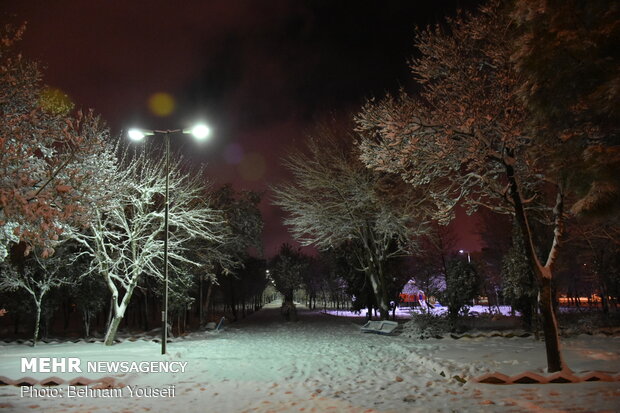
[426,325]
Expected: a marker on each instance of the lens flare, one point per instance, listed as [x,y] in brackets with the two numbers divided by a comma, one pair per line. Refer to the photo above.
[161,104]
[55,101]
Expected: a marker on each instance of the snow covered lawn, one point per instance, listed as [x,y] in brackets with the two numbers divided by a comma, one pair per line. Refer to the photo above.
[324,364]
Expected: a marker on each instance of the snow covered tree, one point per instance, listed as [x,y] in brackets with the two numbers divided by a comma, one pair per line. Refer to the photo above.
[37,277]
[334,200]
[567,58]
[48,154]
[467,138]
[125,240]
[566,52]
[179,298]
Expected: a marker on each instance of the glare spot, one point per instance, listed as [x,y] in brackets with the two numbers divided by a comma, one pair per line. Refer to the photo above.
[55,101]
[135,134]
[233,154]
[161,104]
[252,167]
[201,132]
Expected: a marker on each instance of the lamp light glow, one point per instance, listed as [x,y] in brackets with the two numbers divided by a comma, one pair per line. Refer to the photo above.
[135,134]
[200,131]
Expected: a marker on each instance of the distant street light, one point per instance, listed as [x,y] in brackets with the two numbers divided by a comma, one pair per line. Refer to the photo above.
[468,256]
[200,132]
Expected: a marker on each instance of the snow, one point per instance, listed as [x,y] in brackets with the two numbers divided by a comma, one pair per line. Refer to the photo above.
[323,363]
[405,312]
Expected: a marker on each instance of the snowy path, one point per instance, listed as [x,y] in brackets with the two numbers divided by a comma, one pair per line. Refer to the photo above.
[324,364]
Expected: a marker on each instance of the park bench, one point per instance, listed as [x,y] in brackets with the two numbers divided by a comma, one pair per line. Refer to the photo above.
[380,327]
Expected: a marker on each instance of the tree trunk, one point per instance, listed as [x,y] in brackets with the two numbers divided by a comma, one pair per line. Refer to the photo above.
[209,290]
[86,316]
[200,305]
[550,328]
[233,301]
[110,335]
[378,287]
[37,321]
[119,312]
[146,311]
[110,313]
[543,272]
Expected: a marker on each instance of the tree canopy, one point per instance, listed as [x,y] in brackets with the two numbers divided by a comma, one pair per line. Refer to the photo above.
[53,159]
[333,200]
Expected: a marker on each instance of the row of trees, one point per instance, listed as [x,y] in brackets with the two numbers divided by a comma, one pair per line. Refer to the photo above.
[332,280]
[516,113]
[77,208]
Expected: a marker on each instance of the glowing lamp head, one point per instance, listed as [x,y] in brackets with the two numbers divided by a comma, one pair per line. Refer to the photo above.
[135,134]
[200,132]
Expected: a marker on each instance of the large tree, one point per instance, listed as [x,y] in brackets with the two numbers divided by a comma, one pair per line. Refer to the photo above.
[467,137]
[333,201]
[51,157]
[566,53]
[125,240]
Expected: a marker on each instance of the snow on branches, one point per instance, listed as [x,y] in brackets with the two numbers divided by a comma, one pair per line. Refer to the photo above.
[333,200]
[467,137]
[50,159]
[125,240]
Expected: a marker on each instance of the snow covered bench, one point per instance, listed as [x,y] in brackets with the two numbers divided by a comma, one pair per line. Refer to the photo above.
[380,327]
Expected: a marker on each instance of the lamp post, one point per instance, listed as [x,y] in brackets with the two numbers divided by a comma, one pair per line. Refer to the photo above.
[199,132]
[468,256]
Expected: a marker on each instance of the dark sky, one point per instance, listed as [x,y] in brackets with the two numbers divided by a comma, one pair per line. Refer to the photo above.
[258,72]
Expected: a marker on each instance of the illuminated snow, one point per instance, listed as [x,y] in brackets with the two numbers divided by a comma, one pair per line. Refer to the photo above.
[323,363]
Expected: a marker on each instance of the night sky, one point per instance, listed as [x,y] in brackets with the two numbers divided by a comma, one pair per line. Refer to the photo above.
[258,72]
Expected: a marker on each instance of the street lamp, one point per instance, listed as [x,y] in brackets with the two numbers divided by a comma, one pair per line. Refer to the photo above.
[200,132]
[468,256]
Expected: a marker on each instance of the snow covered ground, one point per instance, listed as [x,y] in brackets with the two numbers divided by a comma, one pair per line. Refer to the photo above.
[323,363]
[405,312]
